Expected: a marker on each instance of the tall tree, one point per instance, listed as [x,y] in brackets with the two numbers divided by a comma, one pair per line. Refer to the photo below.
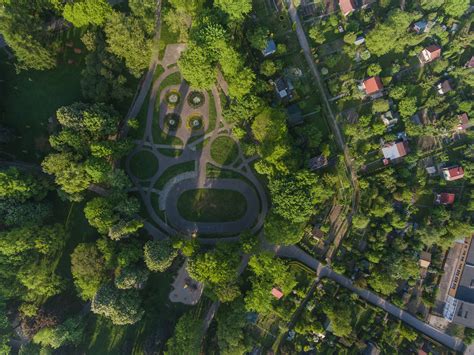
[88,270]
[236,9]
[87,12]
[23,24]
[187,336]
[120,306]
[127,39]
[159,255]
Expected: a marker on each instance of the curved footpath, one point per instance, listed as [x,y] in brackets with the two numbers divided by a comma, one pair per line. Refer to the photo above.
[246,222]
[294,252]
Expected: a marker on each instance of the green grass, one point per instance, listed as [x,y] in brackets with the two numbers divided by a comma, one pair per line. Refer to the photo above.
[214,172]
[172,79]
[167,37]
[159,70]
[149,334]
[224,150]
[212,112]
[29,99]
[144,164]
[174,153]
[173,171]
[212,205]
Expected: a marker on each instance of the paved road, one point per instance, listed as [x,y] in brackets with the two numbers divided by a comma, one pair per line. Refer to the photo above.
[294,252]
[324,95]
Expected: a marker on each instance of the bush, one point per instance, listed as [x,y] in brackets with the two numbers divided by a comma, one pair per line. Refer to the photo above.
[380,105]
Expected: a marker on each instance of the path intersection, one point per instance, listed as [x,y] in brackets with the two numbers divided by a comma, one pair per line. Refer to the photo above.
[181,127]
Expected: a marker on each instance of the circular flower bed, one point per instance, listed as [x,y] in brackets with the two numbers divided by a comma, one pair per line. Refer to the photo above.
[196,99]
[172,98]
[172,121]
[195,122]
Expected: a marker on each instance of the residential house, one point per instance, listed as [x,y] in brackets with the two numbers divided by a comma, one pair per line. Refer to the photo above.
[463,121]
[422,26]
[284,88]
[453,173]
[459,304]
[276,292]
[425,259]
[347,6]
[444,87]
[295,116]
[430,53]
[270,48]
[318,162]
[372,85]
[445,198]
[395,150]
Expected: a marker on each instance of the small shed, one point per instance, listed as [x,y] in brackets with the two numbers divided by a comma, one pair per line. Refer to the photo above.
[425,259]
[276,292]
[270,48]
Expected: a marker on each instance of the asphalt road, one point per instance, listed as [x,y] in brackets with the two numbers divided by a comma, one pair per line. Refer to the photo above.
[324,95]
[294,252]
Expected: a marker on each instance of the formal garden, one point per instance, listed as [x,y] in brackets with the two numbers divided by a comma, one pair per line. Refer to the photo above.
[204,186]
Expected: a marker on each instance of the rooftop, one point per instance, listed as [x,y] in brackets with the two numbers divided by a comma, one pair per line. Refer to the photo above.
[270,48]
[373,85]
[395,150]
[347,6]
[445,198]
[453,173]
[277,293]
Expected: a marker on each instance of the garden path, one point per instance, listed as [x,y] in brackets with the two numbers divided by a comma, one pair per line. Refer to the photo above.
[195,147]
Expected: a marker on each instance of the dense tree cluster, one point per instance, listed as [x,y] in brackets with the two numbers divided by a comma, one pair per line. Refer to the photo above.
[218,270]
[84,148]
[267,273]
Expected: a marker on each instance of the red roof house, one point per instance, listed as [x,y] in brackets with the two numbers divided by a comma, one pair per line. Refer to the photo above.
[445,198]
[453,173]
[277,293]
[430,53]
[347,6]
[394,150]
[463,121]
[373,85]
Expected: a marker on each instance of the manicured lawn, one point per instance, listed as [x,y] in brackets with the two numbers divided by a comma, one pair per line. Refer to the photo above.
[212,205]
[212,112]
[224,150]
[167,37]
[172,79]
[30,98]
[174,153]
[144,164]
[173,171]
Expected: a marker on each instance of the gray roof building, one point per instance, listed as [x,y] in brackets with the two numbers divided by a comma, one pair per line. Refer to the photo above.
[459,307]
